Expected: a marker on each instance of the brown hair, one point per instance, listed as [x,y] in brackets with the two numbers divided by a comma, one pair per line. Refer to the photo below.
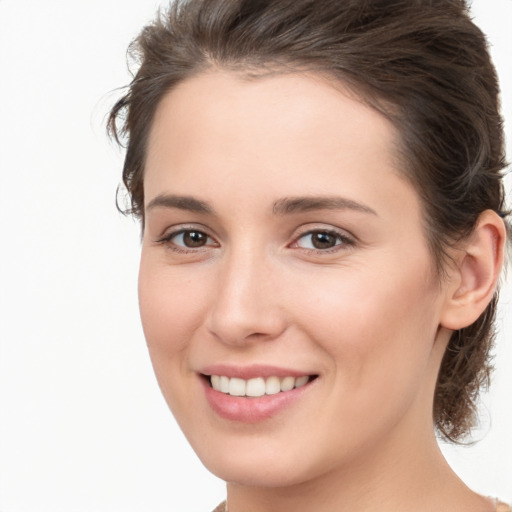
[421,63]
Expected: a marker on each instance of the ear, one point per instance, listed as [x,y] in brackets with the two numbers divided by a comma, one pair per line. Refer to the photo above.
[475,272]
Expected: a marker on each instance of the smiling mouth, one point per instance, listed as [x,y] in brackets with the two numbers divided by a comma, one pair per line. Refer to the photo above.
[257,387]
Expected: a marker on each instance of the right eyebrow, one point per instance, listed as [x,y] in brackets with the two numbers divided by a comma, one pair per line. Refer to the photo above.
[187,203]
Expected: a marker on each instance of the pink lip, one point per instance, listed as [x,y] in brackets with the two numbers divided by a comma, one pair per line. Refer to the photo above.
[251,372]
[251,410]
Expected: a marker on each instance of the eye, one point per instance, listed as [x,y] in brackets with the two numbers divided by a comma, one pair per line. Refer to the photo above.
[187,239]
[322,240]
[190,239]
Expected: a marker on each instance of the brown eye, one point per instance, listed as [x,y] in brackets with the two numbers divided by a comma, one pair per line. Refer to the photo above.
[194,239]
[322,240]
[188,239]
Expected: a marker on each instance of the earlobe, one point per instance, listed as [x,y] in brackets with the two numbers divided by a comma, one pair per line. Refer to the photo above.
[475,272]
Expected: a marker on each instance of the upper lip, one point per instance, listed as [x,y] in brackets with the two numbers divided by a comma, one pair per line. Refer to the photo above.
[252,371]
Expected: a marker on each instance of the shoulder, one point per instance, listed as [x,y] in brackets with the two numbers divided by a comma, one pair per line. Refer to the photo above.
[222,508]
[503,507]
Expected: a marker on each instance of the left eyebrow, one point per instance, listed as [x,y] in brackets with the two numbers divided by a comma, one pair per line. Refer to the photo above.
[308,203]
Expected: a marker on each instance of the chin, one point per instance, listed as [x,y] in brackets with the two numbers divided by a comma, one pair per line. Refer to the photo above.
[264,466]
[255,473]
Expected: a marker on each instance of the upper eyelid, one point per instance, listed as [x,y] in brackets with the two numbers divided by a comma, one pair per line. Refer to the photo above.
[315,228]
[343,240]
[177,229]
[173,234]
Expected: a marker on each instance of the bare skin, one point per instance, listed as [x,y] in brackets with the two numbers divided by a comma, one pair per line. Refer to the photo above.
[281,233]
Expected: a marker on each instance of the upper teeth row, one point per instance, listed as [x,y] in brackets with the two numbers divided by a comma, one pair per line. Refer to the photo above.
[256,387]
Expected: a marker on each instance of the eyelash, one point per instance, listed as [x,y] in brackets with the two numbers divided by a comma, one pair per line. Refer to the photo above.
[342,241]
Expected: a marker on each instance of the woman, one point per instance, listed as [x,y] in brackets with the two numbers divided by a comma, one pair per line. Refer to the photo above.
[319,186]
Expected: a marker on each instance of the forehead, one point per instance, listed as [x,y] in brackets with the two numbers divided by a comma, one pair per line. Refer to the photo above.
[241,105]
[288,134]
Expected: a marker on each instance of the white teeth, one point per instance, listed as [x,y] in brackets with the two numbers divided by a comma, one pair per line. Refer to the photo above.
[301,381]
[272,386]
[256,387]
[224,385]
[216,382]
[287,383]
[237,387]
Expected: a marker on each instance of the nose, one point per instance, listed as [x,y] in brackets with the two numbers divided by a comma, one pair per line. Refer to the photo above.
[246,307]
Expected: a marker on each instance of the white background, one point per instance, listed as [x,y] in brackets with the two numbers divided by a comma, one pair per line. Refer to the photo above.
[82,424]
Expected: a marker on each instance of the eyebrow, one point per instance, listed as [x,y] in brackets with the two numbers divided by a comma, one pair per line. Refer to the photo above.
[307,203]
[284,206]
[187,203]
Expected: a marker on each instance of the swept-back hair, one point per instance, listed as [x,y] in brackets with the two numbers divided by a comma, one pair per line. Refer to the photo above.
[421,63]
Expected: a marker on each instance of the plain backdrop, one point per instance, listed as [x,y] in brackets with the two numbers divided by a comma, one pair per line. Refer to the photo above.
[82,424]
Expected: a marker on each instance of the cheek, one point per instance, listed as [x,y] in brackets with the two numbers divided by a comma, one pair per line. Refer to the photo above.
[171,308]
[378,342]
[170,305]
[377,329]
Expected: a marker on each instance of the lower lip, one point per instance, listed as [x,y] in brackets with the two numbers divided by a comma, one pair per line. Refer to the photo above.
[251,410]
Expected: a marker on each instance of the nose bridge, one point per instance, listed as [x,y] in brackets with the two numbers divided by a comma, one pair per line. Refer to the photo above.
[245,306]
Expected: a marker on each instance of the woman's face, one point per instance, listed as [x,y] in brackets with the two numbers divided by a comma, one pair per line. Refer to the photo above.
[283,248]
